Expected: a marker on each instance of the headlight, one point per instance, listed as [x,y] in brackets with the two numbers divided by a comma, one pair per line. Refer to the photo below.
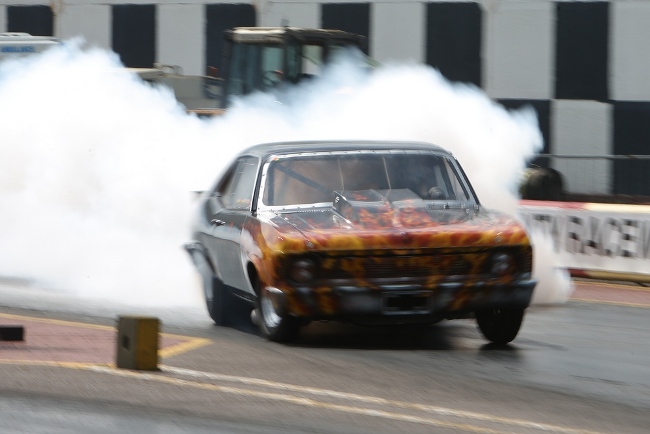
[502,263]
[302,270]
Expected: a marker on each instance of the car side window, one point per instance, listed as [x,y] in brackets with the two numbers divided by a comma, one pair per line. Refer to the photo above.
[236,190]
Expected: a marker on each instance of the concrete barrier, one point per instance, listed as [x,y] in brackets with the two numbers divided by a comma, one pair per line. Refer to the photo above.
[137,343]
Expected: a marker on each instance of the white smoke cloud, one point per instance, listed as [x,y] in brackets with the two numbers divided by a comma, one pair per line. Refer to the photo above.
[98,167]
[91,195]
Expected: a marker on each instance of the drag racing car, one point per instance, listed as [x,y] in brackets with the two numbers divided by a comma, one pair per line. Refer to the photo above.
[358,231]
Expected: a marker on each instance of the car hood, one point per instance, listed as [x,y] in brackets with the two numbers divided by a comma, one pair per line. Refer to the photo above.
[379,220]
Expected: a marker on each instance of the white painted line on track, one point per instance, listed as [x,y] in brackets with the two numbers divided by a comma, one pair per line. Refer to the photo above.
[298,400]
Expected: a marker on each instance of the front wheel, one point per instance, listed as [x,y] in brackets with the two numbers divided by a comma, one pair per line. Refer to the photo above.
[499,326]
[276,325]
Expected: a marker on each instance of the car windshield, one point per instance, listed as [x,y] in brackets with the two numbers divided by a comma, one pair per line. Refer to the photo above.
[313,178]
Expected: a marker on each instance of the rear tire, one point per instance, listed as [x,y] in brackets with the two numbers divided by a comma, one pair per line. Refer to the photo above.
[500,326]
[276,326]
[218,301]
[218,298]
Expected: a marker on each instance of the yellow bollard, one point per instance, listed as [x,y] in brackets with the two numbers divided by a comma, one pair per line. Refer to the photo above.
[137,343]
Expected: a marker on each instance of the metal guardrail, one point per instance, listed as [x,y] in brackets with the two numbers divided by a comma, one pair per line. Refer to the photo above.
[607,175]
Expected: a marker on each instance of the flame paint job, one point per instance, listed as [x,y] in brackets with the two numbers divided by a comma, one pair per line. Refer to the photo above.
[371,245]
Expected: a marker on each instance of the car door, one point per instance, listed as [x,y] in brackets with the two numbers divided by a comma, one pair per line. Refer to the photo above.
[229,206]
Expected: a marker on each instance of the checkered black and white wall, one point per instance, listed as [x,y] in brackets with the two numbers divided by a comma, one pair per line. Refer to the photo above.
[583,65]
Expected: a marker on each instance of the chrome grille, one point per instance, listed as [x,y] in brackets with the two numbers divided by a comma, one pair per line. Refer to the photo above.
[396,266]
[459,268]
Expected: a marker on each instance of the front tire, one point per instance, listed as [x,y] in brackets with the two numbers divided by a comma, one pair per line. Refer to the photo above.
[499,326]
[275,325]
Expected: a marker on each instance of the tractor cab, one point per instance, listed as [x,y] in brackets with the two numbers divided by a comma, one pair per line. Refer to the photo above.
[262,58]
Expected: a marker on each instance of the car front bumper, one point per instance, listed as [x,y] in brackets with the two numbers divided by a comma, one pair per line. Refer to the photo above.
[406,302]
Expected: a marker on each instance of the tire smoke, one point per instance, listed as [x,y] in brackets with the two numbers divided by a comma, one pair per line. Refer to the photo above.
[99,167]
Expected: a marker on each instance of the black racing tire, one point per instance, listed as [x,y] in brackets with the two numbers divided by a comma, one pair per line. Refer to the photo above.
[500,326]
[275,326]
[218,301]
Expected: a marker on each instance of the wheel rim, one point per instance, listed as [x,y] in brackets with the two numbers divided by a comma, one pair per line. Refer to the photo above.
[269,314]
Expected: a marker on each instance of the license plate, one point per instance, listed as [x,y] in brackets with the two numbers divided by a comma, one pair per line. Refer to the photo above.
[395,303]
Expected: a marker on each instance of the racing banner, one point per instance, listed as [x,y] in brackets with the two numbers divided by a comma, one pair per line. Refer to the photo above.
[595,240]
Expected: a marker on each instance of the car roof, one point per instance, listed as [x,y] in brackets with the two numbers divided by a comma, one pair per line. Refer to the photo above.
[284,148]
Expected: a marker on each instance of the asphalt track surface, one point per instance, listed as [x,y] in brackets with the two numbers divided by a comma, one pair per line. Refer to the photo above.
[582,367]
